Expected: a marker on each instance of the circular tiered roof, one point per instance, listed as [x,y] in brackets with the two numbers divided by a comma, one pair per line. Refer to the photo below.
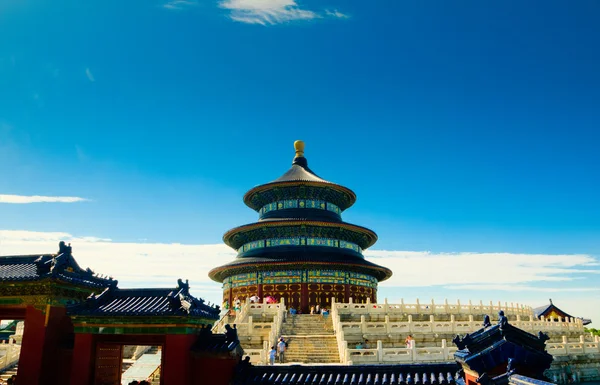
[299,182]
[299,225]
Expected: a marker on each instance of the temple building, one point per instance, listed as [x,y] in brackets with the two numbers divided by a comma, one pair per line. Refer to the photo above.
[300,250]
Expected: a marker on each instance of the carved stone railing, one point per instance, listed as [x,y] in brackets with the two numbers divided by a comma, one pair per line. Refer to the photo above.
[566,348]
[452,326]
[219,326]
[433,308]
[257,356]
[390,329]
[399,355]
[342,344]
[11,353]
[277,322]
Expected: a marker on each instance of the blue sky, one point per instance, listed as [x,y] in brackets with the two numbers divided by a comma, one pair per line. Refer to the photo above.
[464,127]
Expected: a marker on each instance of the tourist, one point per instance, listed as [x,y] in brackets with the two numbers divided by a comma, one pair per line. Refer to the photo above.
[359,345]
[325,313]
[366,344]
[410,342]
[312,310]
[134,382]
[281,346]
[272,354]
[317,309]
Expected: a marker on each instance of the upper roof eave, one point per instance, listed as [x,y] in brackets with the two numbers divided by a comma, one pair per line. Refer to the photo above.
[299,182]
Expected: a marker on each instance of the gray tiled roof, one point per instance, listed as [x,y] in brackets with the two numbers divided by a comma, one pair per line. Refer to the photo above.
[145,302]
[403,374]
[37,267]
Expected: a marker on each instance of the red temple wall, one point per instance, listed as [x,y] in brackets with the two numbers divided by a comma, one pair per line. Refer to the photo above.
[304,295]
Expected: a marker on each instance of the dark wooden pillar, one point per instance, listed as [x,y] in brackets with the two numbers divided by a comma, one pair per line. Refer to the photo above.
[260,292]
[347,293]
[304,298]
[176,360]
[83,359]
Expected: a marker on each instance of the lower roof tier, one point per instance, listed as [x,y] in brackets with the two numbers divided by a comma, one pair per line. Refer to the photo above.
[299,258]
[286,228]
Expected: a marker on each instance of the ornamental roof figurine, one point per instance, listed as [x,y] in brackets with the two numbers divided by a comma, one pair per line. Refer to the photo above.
[299,238]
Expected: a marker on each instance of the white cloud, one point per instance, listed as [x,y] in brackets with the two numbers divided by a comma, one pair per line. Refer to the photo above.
[336,13]
[133,264]
[442,269]
[89,75]
[22,199]
[501,287]
[268,12]
[139,264]
[179,4]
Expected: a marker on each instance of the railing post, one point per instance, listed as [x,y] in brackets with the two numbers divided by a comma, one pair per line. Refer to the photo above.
[402,305]
[363,327]
[431,319]
[446,307]
[250,328]
[418,307]
[410,324]
[379,351]
[445,349]
[368,300]
[350,300]
[470,307]
[453,323]
[385,305]
[458,306]
[388,328]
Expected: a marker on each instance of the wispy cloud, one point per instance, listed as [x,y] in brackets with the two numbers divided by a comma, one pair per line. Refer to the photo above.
[22,199]
[336,13]
[522,288]
[142,263]
[417,269]
[180,4]
[89,75]
[269,12]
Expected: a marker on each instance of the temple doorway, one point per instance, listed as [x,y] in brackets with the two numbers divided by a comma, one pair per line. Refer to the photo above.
[117,364]
[141,362]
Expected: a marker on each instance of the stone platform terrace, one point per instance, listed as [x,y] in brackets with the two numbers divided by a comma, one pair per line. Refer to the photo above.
[386,325]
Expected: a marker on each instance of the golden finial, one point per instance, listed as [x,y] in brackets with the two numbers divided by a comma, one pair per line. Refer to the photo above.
[299,147]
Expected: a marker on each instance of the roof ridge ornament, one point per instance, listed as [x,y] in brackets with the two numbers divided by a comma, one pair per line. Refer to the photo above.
[299,159]
[299,147]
